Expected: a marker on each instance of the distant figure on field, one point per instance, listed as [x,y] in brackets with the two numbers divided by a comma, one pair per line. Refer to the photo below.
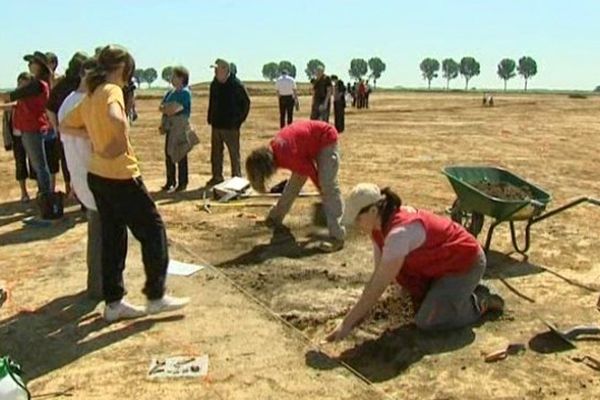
[339,103]
[176,109]
[367,94]
[228,108]
[362,93]
[322,91]
[288,97]
[488,99]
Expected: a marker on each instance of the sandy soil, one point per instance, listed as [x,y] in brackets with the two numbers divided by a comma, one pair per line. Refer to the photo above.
[403,141]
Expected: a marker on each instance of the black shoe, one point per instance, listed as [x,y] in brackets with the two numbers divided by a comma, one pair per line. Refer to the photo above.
[214,182]
[181,188]
[166,188]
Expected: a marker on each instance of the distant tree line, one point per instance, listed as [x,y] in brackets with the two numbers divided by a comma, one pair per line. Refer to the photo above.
[359,69]
[469,68]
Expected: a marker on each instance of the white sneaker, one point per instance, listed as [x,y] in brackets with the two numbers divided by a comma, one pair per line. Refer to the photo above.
[166,304]
[122,310]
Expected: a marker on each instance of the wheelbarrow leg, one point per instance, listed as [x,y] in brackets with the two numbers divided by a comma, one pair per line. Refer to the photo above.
[488,241]
[513,237]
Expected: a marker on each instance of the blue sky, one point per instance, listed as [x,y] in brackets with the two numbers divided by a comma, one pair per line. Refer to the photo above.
[562,36]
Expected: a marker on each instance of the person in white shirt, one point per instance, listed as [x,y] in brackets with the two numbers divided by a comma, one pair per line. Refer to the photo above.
[288,96]
[78,150]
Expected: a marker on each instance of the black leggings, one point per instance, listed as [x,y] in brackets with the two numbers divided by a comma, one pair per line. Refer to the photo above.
[126,204]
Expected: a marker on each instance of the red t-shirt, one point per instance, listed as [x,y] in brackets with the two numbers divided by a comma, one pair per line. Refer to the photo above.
[297,145]
[30,112]
[448,249]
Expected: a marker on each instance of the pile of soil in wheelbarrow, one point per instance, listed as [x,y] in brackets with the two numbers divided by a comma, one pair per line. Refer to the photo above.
[504,191]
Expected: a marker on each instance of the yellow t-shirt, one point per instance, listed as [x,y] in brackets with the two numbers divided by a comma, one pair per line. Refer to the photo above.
[92,114]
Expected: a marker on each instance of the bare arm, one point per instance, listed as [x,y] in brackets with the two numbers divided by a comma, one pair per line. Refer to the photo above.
[8,106]
[384,274]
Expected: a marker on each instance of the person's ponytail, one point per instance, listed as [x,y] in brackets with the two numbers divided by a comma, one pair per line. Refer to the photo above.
[388,206]
[95,78]
[109,59]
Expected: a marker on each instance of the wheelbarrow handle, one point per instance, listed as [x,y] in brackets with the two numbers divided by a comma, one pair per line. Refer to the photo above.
[536,203]
[577,331]
[593,201]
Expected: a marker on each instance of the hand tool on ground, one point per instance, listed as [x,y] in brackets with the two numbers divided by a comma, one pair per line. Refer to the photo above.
[206,203]
[573,333]
[498,355]
[589,361]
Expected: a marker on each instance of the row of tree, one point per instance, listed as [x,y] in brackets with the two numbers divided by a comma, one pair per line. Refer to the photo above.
[149,75]
[359,68]
[469,67]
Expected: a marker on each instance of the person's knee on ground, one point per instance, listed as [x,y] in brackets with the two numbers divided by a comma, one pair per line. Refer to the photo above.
[443,315]
[433,322]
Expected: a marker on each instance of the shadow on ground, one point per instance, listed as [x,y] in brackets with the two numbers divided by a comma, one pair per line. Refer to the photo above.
[54,335]
[27,234]
[389,355]
[282,244]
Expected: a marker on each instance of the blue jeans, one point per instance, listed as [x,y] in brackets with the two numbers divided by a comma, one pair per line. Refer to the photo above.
[33,142]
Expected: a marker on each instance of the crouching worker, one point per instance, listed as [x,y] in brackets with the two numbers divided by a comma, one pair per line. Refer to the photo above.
[432,258]
[308,149]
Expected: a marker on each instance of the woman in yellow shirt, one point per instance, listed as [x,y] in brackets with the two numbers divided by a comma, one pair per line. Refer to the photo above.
[121,197]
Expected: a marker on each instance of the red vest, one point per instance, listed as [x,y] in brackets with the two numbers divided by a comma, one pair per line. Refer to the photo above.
[30,113]
[448,249]
[297,146]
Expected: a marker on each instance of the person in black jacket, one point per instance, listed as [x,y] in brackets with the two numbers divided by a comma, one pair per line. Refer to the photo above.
[228,108]
[339,103]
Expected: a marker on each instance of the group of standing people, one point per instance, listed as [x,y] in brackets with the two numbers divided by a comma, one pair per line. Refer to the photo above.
[228,108]
[93,126]
[325,91]
[360,92]
[435,260]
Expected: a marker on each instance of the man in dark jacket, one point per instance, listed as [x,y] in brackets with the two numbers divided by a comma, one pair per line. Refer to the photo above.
[228,108]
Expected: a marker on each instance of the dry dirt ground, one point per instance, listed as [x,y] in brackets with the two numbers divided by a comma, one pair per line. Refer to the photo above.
[404,140]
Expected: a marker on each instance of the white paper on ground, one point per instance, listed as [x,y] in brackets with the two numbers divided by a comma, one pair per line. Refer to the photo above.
[183,269]
[178,367]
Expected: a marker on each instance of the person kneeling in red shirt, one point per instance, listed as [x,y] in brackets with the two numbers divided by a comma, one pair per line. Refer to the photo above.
[434,259]
[308,149]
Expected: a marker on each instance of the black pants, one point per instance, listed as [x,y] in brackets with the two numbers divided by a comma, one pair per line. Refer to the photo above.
[320,115]
[63,163]
[126,204]
[286,107]
[338,112]
[181,167]
[23,167]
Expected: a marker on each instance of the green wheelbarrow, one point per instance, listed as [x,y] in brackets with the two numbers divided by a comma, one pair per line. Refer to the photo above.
[472,204]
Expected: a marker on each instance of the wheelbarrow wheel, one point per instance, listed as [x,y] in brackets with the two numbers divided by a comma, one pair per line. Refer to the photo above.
[473,222]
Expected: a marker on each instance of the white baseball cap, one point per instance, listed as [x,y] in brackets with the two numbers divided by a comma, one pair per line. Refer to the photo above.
[361,196]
